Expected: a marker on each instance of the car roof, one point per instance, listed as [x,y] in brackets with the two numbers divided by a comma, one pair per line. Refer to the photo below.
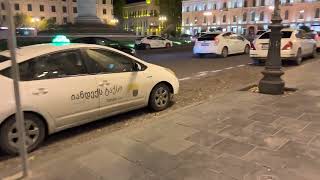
[29,52]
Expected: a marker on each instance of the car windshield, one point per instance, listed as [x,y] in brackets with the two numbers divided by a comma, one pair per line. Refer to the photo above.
[208,37]
[285,34]
[3,58]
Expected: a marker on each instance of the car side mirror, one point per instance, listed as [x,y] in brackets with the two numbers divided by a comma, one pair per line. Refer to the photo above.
[137,67]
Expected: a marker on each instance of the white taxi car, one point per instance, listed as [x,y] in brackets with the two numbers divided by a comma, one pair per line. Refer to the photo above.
[153,42]
[295,45]
[67,85]
[221,44]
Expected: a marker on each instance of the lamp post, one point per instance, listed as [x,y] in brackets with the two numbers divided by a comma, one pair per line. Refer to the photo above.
[272,83]
[207,14]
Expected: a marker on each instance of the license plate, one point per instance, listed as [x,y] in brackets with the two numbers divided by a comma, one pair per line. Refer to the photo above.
[265,46]
[204,44]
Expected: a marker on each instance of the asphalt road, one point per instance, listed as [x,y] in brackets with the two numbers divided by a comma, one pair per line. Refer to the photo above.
[200,79]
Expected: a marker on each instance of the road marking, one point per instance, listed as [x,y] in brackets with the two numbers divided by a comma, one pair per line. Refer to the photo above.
[250,63]
[184,79]
[214,71]
[242,65]
[204,73]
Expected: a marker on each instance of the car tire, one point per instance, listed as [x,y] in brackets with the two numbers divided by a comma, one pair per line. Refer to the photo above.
[35,134]
[298,59]
[224,52]
[314,52]
[247,49]
[160,97]
[147,46]
[168,45]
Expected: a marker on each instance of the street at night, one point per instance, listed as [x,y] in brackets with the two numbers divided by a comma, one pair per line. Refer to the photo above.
[159,90]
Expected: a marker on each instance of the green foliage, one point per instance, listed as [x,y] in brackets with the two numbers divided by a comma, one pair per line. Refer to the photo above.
[172,10]
[22,20]
[118,9]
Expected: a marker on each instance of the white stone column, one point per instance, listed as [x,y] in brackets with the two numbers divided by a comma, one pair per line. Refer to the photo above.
[87,12]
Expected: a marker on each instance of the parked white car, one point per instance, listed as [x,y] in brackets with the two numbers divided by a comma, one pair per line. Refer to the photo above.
[69,85]
[222,44]
[295,45]
[153,42]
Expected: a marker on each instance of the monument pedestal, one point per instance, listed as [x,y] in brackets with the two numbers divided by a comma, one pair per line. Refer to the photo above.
[87,12]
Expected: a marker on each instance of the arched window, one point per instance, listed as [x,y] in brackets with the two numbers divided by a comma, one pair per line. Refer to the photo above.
[253,16]
[234,18]
[3,7]
[187,20]
[245,3]
[196,8]
[214,19]
[205,7]
[224,19]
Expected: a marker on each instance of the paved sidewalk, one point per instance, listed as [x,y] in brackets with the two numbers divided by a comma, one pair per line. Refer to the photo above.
[238,136]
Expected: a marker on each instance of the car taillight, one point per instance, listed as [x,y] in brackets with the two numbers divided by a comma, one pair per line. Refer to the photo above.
[252,46]
[216,41]
[288,46]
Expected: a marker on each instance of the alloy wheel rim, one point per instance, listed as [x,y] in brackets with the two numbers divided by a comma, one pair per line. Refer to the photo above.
[32,132]
[161,97]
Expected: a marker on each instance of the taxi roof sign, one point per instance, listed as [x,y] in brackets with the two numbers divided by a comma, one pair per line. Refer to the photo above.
[60,40]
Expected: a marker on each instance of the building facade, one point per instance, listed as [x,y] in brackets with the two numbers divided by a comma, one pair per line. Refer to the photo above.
[246,16]
[62,11]
[143,18]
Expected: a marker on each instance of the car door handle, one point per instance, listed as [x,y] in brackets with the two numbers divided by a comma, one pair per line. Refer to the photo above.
[40,91]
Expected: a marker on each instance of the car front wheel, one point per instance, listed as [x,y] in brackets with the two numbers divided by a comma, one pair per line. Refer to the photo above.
[224,52]
[9,134]
[160,97]
[298,59]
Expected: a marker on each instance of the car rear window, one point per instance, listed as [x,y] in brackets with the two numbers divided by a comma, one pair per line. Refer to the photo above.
[3,58]
[285,34]
[208,37]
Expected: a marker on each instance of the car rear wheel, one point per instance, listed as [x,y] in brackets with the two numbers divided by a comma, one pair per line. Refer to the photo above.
[247,49]
[314,52]
[224,52]
[298,59]
[9,135]
[147,46]
[160,97]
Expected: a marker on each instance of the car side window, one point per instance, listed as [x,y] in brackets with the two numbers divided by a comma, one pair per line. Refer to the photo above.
[301,34]
[240,38]
[104,61]
[58,65]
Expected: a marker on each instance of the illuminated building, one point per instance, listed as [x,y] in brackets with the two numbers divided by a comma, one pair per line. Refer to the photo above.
[243,16]
[142,17]
[62,11]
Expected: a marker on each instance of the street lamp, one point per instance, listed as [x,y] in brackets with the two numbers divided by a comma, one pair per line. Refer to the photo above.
[162,19]
[207,14]
[272,83]
[35,21]
[114,21]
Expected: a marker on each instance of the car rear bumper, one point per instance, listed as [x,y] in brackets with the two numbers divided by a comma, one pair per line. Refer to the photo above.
[262,54]
[206,50]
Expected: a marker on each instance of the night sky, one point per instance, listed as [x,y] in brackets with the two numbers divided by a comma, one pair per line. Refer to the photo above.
[132,1]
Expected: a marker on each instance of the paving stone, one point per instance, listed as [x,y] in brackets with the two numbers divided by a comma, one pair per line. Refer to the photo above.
[286,160]
[263,117]
[107,165]
[313,127]
[315,117]
[64,170]
[296,136]
[298,150]
[234,167]
[148,157]
[291,113]
[172,145]
[183,173]
[205,138]
[289,123]
[262,128]
[266,174]
[315,143]
[233,147]
[262,109]
[198,157]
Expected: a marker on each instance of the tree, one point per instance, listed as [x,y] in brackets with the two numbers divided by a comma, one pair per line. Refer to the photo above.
[172,10]
[118,9]
[22,20]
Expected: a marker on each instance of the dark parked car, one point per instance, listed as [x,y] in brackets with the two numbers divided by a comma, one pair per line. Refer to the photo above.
[105,42]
